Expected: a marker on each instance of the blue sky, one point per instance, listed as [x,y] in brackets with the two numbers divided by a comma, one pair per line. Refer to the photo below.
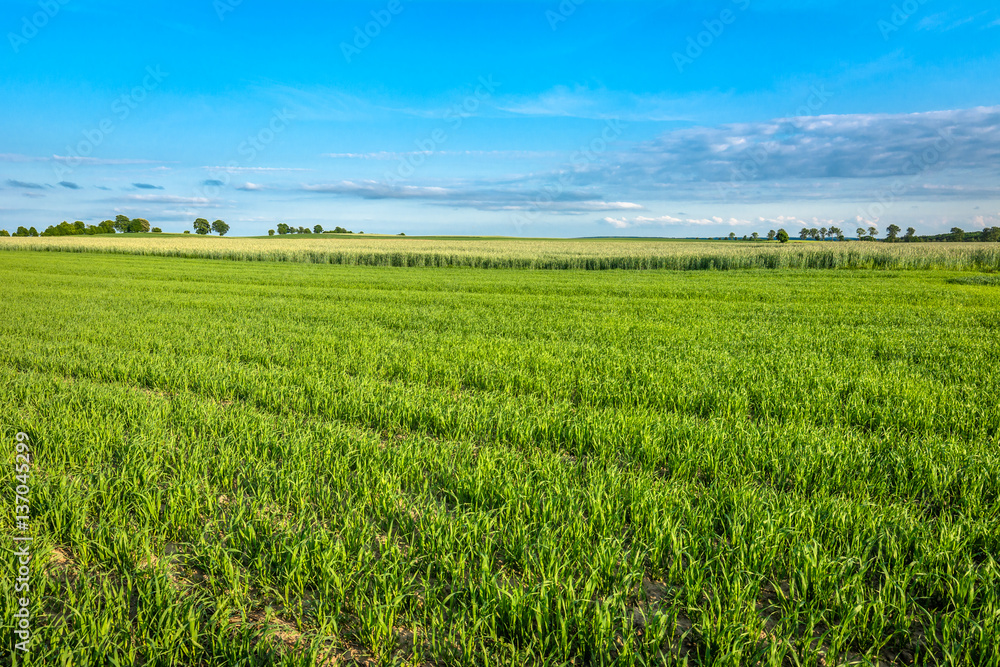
[572,118]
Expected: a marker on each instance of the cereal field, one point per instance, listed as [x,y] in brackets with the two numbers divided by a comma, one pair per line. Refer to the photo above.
[255,463]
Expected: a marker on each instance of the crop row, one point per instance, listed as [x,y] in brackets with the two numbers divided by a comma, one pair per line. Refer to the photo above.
[593,255]
[285,464]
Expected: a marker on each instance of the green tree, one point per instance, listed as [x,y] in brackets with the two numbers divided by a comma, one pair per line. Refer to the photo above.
[270,232]
[21,231]
[892,233]
[157,230]
[318,229]
[822,232]
[220,227]
[755,236]
[861,233]
[32,232]
[873,233]
[138,225]
[804,233]
[771,234]
[201,226]
[122,223]
[187,231]
[79,226]
[991,234]
[814,233]
[838,232]
[957,234]
[732,236]
[4,232]
[910,233]
[106,227]
[282,228]
[782,236]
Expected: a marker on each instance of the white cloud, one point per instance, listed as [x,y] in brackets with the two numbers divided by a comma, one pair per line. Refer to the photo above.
[520,198]
[231,169]
[601,104]
[815,157]
[171,199]
[17,157]
[395,155]
[100,161]
[559,206]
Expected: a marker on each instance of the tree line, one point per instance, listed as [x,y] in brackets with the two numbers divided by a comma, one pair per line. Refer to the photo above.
[957,235]
[781,236]
[318,229]
[892,235]
[122,224]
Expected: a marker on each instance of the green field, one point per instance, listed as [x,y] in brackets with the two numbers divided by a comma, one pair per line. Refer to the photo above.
[543,254]
[298,463]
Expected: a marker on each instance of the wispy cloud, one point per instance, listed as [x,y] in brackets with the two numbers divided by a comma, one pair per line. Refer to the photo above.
[171,199]
[17,157]
[254,169]
[379,190]
[798,157]
[78,160]
[147,186]
[518,198]
[955,18]
[393,155]
[589,206]
[69,185]
[96,161]
[601,104]
[24,184]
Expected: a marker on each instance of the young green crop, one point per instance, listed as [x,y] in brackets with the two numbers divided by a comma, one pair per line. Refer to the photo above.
[291,463]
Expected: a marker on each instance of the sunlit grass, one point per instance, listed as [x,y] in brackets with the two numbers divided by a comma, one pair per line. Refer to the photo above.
[283,463]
